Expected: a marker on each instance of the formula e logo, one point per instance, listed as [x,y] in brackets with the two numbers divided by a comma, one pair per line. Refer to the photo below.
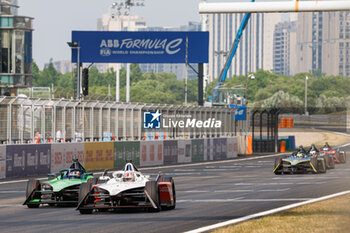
[151,120]
[240,112]
[105,52]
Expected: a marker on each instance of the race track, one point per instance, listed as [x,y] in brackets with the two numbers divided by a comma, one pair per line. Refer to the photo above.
[206,194]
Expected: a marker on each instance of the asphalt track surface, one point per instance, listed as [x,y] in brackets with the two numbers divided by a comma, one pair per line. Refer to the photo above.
[206,194]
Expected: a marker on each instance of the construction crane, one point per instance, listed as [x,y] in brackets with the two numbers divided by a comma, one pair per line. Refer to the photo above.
[233,50]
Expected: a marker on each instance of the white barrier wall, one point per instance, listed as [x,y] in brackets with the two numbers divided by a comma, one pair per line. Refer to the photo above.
[151,153]
[242,144]
[62,155]
[2,162]
[184,151]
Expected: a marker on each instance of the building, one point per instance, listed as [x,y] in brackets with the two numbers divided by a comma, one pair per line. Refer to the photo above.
[62,66]
[255,48]
[16,49]
[324,43]
[284,47]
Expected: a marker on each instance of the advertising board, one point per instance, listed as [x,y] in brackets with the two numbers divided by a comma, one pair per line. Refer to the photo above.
[2,162]
[197,150]
[151,153]
[232,147]
[99,155]
[63,154]
[126,151]
[184,151]
[28,160]
[170,152]
[140,47]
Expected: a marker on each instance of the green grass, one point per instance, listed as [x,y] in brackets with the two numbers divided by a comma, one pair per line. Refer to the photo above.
[328,216]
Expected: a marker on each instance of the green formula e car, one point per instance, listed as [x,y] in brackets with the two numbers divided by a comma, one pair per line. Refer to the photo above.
[60,189]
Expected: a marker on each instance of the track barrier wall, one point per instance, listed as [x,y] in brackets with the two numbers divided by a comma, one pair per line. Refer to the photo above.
[99,155]
[62,155]
[198,151]
[41,159]
[184,154]
[2,162]
[151,153]
[124,151]
[27,160]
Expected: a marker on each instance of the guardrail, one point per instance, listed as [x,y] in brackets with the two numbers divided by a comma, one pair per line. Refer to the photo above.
[30,120]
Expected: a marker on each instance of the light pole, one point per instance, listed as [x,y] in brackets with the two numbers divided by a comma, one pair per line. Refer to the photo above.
[306,78]
[249,76]
[123,7]
[75,45]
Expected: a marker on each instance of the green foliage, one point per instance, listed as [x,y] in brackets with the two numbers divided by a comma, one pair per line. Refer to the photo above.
[284,101]
[325,93]
[162,88]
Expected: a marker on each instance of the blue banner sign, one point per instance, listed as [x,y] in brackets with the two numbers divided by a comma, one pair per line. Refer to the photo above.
[140,47]
[240,113]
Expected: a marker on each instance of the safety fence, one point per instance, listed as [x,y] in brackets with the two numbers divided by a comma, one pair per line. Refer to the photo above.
[40,159]
[30,120]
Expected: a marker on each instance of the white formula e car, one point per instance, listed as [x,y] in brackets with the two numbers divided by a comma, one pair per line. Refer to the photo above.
[127,188]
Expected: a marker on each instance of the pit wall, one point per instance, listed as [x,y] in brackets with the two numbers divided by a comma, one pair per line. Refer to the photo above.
[41,159]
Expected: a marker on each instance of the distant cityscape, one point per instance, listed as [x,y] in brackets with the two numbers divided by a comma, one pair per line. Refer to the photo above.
[283,43]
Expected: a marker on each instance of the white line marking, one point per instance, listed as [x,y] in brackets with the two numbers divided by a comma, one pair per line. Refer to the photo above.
[19,181]
[12,191]
[234,191]
[259,184]
[241,199]
[10,205]
[264,213]
[13,181]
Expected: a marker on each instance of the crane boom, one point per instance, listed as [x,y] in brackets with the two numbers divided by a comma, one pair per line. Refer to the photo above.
[233,50]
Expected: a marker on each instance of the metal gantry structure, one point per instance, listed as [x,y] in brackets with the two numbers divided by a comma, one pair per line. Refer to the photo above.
[64,120]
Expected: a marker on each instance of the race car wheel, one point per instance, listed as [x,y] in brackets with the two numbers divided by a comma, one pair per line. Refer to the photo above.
[321,165]
[170,179]
[331,163]
[84,189]
[342,158]
[32,185]
[277,161]
[152,189]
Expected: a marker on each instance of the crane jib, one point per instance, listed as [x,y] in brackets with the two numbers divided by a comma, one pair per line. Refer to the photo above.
[233,50]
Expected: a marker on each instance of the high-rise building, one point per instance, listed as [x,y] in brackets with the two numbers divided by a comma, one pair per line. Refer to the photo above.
[63,67]
[324,42]
[284,46]
[15,49]
[255,48]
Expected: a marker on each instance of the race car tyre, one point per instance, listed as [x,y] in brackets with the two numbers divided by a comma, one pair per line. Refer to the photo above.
[152,189]
[85,188]
[321,166]
[32,185]
[277,160]
[331,163]
[342,159]
[170,179]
